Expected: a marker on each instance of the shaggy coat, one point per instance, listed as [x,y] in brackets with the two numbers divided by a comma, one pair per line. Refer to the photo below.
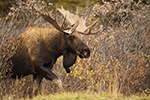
[39,48]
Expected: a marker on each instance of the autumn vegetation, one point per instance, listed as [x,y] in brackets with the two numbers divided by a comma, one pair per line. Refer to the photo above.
[120,52]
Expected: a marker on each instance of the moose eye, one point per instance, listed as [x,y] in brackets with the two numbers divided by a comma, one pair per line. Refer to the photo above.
[71,37]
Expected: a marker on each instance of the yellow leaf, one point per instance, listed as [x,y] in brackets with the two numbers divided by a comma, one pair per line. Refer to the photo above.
[80,77]
[111,37]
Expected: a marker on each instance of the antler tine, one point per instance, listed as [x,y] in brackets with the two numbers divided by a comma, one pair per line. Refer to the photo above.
[48,18]
[92,24]
[56,16]
[74,26]
[93,33]
[90,29]
[63,25]
[90,33]
[87,16]
[77,11]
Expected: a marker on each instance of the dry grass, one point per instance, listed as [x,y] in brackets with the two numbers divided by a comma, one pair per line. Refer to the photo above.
[85,96]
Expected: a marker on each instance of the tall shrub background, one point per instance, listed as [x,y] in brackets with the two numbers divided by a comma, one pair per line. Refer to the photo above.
[120,52]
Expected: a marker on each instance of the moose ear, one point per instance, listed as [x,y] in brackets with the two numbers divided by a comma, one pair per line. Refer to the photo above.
[69,59]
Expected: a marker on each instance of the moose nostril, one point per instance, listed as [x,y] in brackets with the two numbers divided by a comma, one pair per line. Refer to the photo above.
[86,52]
[87,49]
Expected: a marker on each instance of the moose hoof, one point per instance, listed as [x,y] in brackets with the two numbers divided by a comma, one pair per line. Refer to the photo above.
[59,83]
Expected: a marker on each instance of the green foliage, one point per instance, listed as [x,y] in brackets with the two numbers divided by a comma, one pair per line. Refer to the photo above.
[5,5]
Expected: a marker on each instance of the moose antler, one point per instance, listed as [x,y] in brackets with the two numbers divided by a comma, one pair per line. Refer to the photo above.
[82,28]
[47,16]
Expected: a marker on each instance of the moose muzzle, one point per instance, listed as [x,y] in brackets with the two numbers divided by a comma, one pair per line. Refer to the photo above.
[84,53]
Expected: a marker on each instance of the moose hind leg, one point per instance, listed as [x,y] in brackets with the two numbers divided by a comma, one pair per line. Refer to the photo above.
[48,74]
[37,84]
[59,83]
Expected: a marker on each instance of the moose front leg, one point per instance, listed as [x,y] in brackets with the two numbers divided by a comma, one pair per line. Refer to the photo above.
[48,74]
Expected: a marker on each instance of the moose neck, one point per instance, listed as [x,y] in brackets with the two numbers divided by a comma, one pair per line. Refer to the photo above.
[55,42]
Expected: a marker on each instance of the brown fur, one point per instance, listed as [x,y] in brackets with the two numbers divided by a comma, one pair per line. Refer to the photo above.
[39,48]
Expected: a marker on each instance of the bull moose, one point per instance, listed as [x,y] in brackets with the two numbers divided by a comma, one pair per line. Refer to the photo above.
[39,47]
